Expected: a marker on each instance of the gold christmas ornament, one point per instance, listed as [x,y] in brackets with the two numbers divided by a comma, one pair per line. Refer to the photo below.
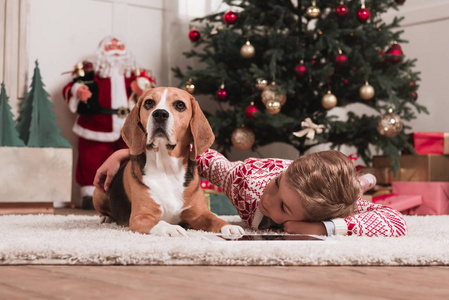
[366,91]
[389,124]
[247,50]
[243,138]
[273,92]
[329,100]
[190,87]
[273,107]
[261,83]
[79,70]
[313,11]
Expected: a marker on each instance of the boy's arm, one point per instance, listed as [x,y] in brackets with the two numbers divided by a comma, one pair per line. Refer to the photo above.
[211,165]
[372,220]
[218,169]
[106,172]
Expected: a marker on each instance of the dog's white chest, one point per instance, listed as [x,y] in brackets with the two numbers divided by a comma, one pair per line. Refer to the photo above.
[165,175]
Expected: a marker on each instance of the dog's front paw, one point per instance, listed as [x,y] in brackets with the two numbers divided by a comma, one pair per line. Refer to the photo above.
[232,231]
[165,229]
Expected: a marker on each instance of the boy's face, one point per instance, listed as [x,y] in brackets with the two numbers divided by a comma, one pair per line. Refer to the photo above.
[279,202]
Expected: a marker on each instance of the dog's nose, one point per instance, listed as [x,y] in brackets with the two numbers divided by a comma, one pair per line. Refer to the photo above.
[160,115]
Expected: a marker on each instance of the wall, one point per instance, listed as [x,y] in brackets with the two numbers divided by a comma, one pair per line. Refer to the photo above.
[425,26]
[13,50]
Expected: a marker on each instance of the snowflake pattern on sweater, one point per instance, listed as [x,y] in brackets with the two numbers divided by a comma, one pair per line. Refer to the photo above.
[243,182]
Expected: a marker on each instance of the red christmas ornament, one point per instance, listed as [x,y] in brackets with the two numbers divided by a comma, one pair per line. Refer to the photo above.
[400,1]
[300,70]
[414,96]
[250,111]
[230,17]
[342,11]
[363,15]
[412,83]
[341,60]
[222,94]
[194,35]
[395,53]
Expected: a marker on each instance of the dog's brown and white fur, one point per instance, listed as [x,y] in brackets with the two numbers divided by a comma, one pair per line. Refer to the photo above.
[159,188]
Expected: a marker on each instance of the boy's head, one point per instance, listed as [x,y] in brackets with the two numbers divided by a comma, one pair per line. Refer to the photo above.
[327,184]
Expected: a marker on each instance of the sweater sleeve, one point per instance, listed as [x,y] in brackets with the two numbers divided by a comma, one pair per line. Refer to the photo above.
[218,170]
[372,220]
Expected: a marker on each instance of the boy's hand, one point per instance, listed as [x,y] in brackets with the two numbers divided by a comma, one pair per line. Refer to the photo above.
[105,174]
[109,168]
[300,227]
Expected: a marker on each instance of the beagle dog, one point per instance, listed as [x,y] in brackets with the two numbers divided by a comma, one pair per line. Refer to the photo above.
[159,188]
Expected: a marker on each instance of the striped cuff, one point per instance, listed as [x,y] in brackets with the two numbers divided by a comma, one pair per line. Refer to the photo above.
[258,216]
[330,227]
[340,226]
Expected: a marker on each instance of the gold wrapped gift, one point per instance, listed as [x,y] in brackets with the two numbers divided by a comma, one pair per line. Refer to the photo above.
[430,167]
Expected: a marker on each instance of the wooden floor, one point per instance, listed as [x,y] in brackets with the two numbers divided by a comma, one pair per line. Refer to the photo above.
[198,282]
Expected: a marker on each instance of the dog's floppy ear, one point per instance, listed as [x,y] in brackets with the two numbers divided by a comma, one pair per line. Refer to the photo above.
[203,136]
[133,133]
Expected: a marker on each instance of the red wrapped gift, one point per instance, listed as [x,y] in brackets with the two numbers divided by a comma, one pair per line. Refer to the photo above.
[402,203]
[435,196]
[431,142]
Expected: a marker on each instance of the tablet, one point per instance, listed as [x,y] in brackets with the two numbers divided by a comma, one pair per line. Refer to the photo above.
[269,238]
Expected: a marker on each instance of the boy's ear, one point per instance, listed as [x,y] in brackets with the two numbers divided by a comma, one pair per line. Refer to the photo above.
[203,136]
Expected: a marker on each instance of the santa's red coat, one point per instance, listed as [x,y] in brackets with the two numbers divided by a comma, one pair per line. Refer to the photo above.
[98,127]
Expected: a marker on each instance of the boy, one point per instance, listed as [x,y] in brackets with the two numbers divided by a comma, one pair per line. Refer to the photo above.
[297,196]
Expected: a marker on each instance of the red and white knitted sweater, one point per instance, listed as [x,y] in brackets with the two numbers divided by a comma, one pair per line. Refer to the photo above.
[244,182]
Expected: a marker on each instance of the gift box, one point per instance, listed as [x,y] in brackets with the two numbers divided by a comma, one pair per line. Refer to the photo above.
[430,167]
[376,191]
[431,142]
[435,196]
[402,203]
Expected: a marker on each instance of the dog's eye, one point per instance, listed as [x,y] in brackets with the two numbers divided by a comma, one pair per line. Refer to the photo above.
[149,103]
[179,105]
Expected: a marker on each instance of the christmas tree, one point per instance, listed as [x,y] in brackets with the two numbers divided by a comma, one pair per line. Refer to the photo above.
[36,123]
[278,67]
[9,137]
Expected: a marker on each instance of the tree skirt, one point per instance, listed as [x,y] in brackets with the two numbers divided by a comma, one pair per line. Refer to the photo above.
[82,240]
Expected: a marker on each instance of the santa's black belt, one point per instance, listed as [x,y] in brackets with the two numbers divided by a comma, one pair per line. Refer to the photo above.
[122,112]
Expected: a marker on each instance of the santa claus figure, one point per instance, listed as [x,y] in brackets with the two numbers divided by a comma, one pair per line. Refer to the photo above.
[100,94]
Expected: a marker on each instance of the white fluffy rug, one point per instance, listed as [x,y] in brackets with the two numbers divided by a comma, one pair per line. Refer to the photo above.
[54,239]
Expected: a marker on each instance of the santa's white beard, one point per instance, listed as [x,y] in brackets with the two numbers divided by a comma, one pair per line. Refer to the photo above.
[107,64]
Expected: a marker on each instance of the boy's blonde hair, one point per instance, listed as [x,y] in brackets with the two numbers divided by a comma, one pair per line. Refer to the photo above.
[327,183]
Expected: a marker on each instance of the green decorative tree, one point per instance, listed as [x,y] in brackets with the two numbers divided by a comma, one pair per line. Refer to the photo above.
[320,54]
[36,123]
[9,136]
